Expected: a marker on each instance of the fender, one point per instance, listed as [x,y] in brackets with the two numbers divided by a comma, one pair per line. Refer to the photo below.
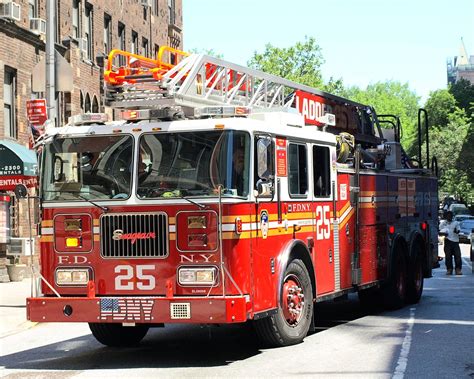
[291,250]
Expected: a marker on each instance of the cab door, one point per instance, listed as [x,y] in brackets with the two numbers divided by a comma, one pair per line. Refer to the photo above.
[325,252]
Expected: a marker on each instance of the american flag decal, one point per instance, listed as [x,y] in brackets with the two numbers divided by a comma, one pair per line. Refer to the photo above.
[130,309]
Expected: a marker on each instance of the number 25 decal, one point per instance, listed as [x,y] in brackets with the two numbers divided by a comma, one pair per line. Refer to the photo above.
[323,226]
[129,277]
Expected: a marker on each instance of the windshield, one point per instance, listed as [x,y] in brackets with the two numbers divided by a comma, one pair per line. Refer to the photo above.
[96,167]
[193,164]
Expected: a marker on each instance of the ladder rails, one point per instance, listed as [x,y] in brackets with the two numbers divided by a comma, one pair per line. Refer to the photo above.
[197,80]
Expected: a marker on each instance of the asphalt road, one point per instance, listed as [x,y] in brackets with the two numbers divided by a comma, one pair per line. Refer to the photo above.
[434,339]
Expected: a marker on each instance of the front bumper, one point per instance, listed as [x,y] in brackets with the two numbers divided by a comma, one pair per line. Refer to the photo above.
[209,310]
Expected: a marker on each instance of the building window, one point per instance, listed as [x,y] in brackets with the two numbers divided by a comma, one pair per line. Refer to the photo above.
[87,104]
[95,105]
[88,31]
[76,5]
[122,42]
[297,170]
[9,105]
[32,9]
[171,12]
[107,33]
[134,42]
[156,51]
[145,50]
[321,171]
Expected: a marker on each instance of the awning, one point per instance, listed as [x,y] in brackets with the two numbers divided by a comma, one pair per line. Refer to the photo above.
[17,165]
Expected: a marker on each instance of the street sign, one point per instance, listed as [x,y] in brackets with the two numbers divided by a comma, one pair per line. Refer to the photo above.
[63,75]
[36,111]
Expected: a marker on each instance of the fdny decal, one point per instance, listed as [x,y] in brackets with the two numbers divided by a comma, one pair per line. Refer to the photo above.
[299,207]
[126,309]
[133,237]
[264,221]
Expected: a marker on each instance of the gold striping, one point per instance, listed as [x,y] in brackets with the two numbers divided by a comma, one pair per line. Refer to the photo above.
[46,239]
[47,223]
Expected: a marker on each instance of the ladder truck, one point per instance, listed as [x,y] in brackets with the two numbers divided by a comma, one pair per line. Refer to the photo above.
[226,195]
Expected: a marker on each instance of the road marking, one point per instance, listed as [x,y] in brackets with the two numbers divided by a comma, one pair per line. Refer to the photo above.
[406,344]
[468,264]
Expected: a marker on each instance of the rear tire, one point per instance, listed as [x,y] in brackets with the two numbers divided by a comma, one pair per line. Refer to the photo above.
[118,335]
[290,324]
[396,290]
[415,279]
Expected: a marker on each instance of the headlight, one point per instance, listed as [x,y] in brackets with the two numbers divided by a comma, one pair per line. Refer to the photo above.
[197,276]
[72,277]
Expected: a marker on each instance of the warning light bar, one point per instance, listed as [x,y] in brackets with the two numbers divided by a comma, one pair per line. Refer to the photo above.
[218,111]
[168,113]
[88,118]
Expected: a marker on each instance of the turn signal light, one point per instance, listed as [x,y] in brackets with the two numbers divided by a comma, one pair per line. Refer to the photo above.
[72,242]
[423,226]
[72,277]
[197,276]
[391,229]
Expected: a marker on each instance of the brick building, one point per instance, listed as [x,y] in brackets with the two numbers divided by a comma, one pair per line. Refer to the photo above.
[85,32]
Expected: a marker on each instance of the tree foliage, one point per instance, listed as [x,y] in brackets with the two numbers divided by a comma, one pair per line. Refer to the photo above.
[439,106]
[392,97]
[463,92]
[300,63]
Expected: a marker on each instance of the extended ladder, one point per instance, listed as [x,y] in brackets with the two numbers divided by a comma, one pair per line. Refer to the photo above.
[197,80]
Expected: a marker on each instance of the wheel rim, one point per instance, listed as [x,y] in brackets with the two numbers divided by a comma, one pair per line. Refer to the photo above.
[292,301]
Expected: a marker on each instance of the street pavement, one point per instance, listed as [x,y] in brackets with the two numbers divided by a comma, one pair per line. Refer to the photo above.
[431,339]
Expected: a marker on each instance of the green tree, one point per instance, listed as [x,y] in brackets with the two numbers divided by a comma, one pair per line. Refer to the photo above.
[300,63]
[439,106]
[463,92]
[392,97]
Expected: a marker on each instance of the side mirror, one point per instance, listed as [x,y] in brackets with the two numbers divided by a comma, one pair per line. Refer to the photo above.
[21,191]
[264,188]
[264,159]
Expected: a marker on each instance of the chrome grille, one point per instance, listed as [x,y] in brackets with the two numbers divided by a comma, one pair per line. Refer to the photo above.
[128,235]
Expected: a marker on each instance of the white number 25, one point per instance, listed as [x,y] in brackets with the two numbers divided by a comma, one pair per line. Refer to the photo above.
[124,282]
[323,227]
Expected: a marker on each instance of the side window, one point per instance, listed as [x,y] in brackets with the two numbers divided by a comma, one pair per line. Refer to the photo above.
[321,171]
[297,170]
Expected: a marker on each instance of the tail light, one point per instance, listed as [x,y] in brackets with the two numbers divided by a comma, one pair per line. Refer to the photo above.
[73,233]
[196,231]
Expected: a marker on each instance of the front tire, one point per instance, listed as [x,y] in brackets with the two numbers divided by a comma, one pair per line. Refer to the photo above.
[290,324]
[118,335]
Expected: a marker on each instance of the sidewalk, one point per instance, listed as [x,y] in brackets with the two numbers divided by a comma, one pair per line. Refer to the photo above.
[13,307]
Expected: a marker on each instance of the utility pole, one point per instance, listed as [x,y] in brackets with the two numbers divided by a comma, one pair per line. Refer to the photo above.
[50,63]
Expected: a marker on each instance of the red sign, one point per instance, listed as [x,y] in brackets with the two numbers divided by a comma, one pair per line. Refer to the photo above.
[8,183]
[312,107]
[36,111]
[281,157]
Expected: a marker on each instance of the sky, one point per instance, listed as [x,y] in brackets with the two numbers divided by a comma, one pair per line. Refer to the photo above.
[362,41]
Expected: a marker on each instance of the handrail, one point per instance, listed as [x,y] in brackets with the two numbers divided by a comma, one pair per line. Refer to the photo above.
[138,68]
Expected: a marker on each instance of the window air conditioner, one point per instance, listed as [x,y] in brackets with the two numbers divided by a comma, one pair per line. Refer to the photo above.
[146,3]
[38,26]
[10,10]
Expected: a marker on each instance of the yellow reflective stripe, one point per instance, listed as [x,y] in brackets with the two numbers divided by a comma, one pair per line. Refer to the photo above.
[46,239]
[47,223]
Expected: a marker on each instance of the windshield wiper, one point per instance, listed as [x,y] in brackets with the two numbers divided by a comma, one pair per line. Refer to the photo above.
[105,209]
[201,206]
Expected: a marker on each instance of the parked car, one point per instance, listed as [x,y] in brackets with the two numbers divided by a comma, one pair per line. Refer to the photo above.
[465,234]
[462,217]
[459,209]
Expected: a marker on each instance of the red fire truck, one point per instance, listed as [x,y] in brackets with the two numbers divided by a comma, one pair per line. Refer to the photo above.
[226,195]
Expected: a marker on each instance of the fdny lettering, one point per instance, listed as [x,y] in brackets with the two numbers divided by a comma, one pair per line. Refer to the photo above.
[195,258]
[76,259]
[299,208]
[126,309]
[133,237]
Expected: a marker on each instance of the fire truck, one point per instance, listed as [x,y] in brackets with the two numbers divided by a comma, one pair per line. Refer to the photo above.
[226,195]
